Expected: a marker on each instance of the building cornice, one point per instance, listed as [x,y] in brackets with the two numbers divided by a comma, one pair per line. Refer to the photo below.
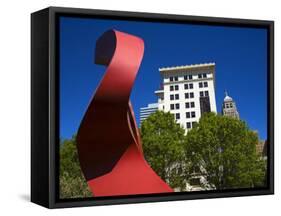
[187,67]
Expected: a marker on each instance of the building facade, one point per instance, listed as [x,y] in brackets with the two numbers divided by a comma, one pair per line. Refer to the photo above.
[261,148]
[229,107]
[146,111]
[187,92]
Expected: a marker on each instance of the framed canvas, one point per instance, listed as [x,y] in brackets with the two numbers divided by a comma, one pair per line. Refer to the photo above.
[140,107]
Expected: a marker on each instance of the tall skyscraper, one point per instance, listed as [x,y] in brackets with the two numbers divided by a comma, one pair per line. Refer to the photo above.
[146,111]
[188,92]
[229,107]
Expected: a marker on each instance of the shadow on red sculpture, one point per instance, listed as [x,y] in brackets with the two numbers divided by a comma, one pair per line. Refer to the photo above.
[108,141]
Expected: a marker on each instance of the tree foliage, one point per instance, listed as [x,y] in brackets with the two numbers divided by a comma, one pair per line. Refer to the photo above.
[162,140]
[219,148]
[72,181]
[223,150]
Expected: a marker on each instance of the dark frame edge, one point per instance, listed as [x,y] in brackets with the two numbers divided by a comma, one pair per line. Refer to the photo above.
[40,108]
[271,105]
[54,182]
[163,198]
[161,16]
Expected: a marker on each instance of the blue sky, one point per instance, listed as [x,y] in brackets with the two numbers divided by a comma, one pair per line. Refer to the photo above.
[240,55]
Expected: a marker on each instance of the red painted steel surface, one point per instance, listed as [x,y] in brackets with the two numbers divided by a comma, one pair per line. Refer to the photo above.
[108,141]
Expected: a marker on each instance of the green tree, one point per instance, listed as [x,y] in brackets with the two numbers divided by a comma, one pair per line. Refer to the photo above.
[223,150]
[162,140]
[72,181]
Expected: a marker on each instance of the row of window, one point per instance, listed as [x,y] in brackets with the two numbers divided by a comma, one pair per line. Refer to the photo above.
[174,78]
[204,94]
[188,86]
[190,105]
[188,95]
[229,105]
[203,75]
[189,124]
[187,105]
[174,87]
[174,106]
[190,114]
[187,115]
[174,97]
[203,84]
[187,77]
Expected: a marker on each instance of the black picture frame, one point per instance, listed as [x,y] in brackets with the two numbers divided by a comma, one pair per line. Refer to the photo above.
[45,106]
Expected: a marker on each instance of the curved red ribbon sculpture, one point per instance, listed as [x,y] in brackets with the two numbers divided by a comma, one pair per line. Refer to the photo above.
[108,141]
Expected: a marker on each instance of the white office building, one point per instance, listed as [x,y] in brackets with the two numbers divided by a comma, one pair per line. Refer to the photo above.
[146,111]
[188,92]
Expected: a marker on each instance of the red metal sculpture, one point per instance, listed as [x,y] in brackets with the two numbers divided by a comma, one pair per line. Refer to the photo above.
[108,141]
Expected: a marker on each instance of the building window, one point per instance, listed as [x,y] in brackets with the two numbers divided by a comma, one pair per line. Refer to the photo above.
[200,85]
[186,95]
[177,106]
[193,124]
[176,78]
[205,84]
[189,105]
[172,106]
[187,114]
[185,86]
[205,105]
[204,75]
[185,77]
[176,96]
[206,93]
[199,76]
[188,125]
[201,94]
[171,79]
[176,87]
[190,85]
[192,114]
[190,77]
[172,97]
[191,94]
[171,88]
[177,116]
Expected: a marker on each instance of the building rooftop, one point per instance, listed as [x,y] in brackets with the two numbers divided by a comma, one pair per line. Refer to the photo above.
[149,106]
[227,98]
[192,66]
[159,91]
